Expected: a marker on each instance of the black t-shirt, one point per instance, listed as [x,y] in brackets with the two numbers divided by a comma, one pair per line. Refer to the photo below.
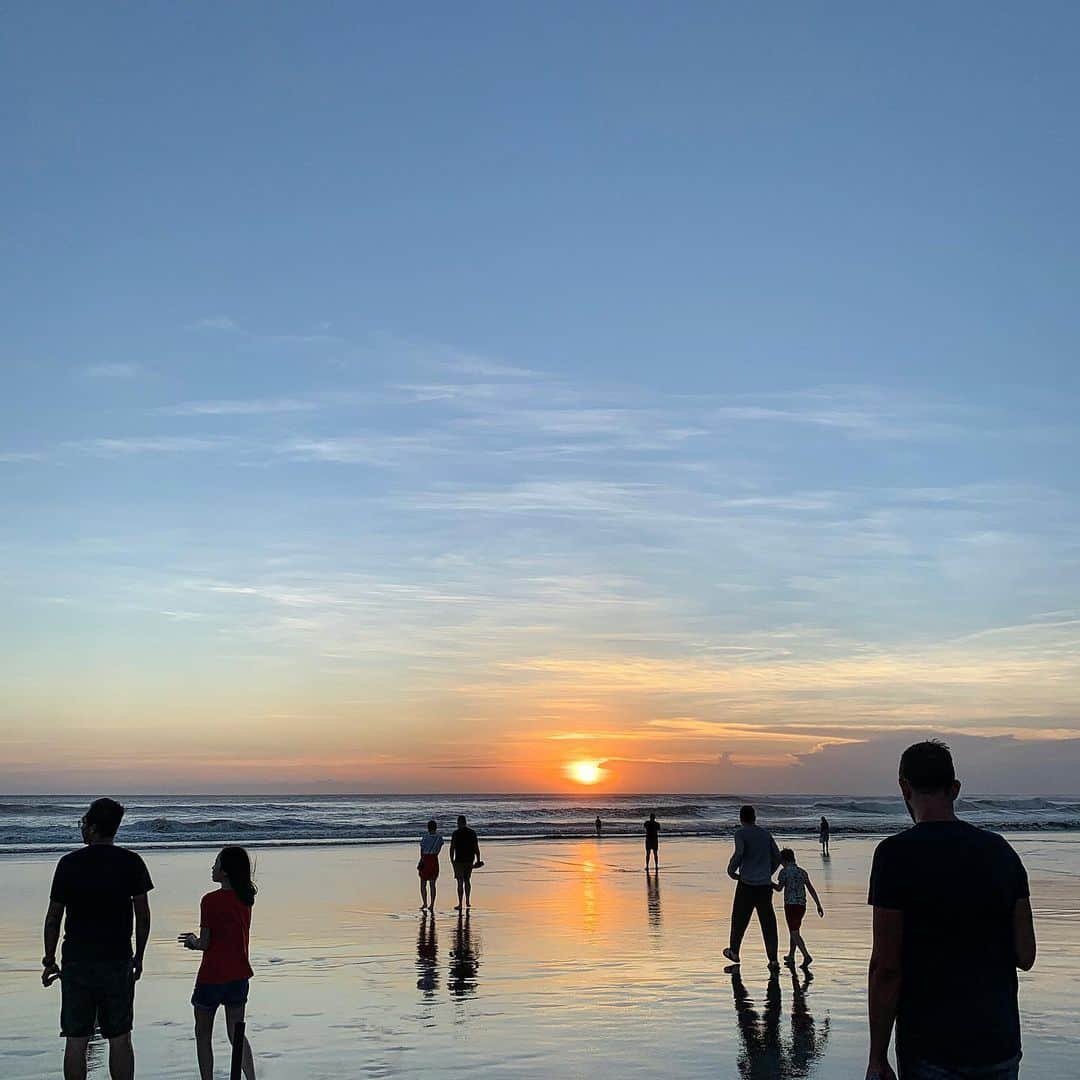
[95,884]
[652,833]
[466,845]
[957,886]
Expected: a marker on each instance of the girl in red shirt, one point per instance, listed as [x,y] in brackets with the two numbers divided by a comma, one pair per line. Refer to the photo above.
[224,928]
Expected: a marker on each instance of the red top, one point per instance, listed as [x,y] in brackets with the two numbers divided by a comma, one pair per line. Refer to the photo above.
[229,920]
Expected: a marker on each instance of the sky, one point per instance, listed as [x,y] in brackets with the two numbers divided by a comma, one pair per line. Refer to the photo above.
[406,398]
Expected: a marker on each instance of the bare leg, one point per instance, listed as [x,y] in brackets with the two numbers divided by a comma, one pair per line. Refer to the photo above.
[432,904]
[233,1014]
[204,1042]
[460,892]
[122,1058]
[75,1059]
[468,892]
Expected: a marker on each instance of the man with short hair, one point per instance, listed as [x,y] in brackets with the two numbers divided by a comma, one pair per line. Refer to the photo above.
[95,893]
[755,859]
[465,858]
[952,923]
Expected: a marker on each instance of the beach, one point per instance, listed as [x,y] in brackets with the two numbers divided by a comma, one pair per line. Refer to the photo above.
[572,962]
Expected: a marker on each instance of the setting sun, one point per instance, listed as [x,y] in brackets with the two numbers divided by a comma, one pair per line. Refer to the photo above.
[585,772]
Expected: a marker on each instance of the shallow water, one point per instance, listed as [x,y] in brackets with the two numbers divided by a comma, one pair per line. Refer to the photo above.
[572,963]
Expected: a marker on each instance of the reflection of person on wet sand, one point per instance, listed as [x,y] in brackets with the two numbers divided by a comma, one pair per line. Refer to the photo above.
[652,884]
[464,960]
[427,957]
[766,1055]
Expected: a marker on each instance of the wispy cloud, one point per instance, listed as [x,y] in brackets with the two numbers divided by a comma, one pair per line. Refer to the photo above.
[250,407]
[213,322]
[111,371]
[149,444]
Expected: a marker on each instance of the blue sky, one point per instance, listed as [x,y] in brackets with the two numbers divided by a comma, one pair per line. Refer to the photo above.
[688,389]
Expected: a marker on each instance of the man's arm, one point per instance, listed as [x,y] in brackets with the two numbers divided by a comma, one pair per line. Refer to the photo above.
[1024,934]
[141,903]
[452,852]
[54,917]
[476,857]
[737,857]
[883,988]
[774,854]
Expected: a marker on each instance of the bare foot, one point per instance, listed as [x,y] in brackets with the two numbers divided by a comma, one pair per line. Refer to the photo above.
[774,965]
[807,960]
[731,955]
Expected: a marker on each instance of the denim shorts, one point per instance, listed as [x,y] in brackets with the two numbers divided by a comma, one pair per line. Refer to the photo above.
[210,995]
[96,993]
[927,1070]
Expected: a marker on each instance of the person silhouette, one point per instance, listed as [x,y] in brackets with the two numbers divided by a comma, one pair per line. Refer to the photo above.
[599,825]
[823,835]
[652,842]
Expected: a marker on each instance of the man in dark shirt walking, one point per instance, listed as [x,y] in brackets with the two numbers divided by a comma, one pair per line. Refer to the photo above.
[95,893]
[465,858]
[952,923]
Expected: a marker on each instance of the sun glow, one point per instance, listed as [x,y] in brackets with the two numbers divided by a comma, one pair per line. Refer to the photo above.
[585,772]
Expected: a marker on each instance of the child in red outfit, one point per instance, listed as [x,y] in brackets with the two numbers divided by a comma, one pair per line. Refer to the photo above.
[795,883]
[224,929]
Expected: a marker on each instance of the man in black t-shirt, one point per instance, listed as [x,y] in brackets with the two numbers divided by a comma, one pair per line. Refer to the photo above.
[98,893]
[652,841]
[464,857]
[952,923]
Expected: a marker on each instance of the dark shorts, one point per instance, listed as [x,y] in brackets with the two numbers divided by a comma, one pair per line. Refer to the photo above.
[429,867]
[463,870]
[925,1070]
[96,993]
[210,995]
[794,914]
[652,845]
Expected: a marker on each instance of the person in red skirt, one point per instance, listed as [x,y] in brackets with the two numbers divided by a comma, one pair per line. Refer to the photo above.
[795,883]
[428,867]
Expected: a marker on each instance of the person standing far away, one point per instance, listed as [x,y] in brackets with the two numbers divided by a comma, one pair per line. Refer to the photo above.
[755,858]
[795,883]
[952,923]
[465,858]
[225,971]
[428,867]
[599,825]
[652,842]
[97,892]
[823,836]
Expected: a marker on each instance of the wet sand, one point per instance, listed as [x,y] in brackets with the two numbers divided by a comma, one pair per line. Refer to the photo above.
[573,963]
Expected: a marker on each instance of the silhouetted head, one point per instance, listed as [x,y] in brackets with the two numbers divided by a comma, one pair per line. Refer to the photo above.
[652,816]
[232,867]
[747,815]
[461,821]
[101,821]
[787,855]
[928,779]
[432,825]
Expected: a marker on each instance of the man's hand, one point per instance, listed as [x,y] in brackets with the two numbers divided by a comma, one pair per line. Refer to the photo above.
[821,911]
[136,969]
[50,973]
[880,1071]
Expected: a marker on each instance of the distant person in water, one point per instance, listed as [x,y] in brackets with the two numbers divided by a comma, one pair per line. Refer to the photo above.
[224,931]
[823,835]
[952,923]
[428,867]
[755,858]
[599,825]
[465,858]
[652,842]
[97,893]
[794,882]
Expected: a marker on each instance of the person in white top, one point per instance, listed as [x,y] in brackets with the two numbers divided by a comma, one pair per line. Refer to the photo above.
[795,882]
[428,867]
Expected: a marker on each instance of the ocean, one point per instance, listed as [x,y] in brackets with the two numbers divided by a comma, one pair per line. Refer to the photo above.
[50,822]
